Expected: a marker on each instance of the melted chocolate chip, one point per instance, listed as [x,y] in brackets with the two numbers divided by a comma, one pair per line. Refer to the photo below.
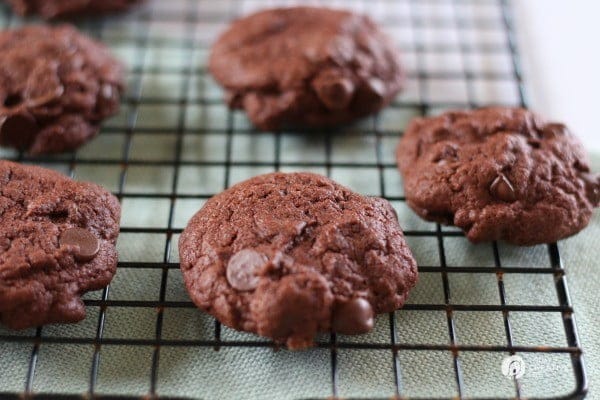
[86,240]
[448,152]
[376,87]
[18,130]
[353,317]
[581,165]
[554,130]
[336,94]
[502,189]
[371,92]
[243,269]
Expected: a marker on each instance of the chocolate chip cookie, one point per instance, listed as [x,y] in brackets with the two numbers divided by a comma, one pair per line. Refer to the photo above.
[289,255]
[306,66]
[56,86]
[498,174]
[49,9]
[57,241]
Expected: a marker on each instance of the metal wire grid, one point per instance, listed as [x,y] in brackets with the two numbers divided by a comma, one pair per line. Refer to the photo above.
[187,19]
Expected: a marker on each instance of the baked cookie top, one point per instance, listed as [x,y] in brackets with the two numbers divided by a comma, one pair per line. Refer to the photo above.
[306,66]
[498,174]
[49,9]
[290,255]
[57,241]
[56,86]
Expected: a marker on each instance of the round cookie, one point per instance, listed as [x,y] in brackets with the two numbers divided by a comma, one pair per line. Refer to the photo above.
[498,174]
[289,255]
[306,66]
[56,86]
[49,9]
[57,241]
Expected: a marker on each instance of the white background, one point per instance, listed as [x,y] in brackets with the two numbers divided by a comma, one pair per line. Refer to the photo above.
[559,42]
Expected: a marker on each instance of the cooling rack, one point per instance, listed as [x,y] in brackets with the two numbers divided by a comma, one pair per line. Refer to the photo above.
[174,144]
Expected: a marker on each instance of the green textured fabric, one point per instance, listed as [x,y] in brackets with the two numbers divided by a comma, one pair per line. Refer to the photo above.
[581,254]
[146,135]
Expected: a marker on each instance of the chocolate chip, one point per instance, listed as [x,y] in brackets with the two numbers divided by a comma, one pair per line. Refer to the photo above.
[243,269]
[86,240]
[353,317]
[336,94]
[502,189]
[371,92]
[581,165]
[448,152]
[18,130]
[376,87]
[554,130]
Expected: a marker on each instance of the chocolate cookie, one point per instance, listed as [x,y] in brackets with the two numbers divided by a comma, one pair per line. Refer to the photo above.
[49,9]
[56,86]
[57,241]
[306,66]
[290,255]
[498,174]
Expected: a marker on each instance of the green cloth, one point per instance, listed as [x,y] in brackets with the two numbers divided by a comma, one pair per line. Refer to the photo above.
[580,255]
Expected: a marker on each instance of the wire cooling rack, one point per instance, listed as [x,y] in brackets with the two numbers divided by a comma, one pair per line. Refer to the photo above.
[175,144]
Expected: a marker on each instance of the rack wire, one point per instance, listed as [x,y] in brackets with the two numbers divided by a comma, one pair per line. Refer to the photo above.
[175,144]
